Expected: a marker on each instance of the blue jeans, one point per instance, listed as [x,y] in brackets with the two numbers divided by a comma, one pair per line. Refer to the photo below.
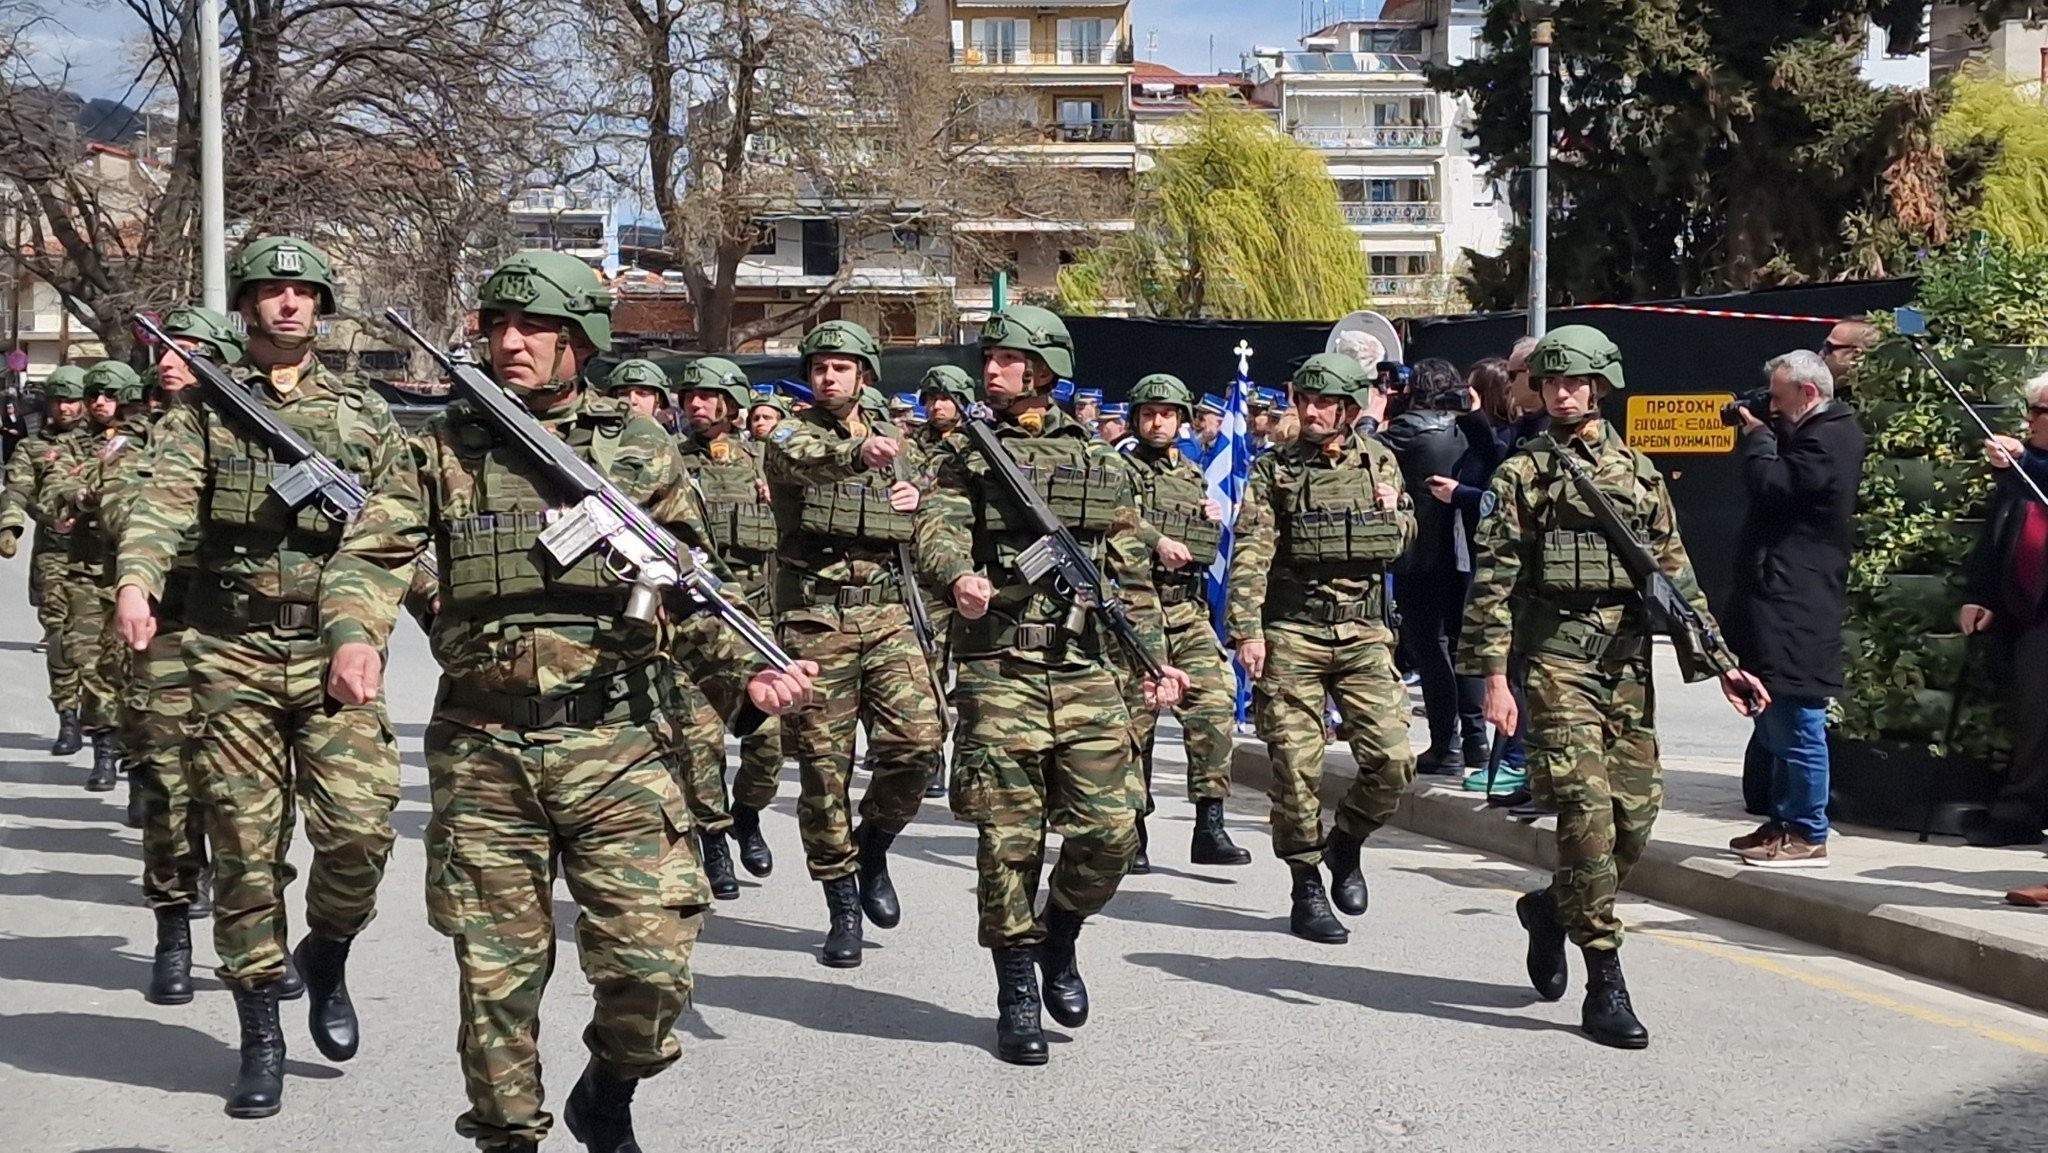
[1795,729]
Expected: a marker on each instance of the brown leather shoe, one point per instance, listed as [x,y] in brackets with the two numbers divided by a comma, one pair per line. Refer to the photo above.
[2033,897]
[1765,833]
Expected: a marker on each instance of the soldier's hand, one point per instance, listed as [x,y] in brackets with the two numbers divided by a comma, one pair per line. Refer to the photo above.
[761,488]
[65,523]
[1501,711]
[10,542]
[971,595]
[777,693]
[356,674]
[903,496]
[1745,692]
[2001,451]
[1172,553]
[1389,496]
[134,618]
[1973,618]
[1212,510]
[1251,657]
[1166,690]
[879,452]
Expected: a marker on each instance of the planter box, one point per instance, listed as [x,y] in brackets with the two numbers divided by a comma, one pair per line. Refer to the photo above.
[1900,785]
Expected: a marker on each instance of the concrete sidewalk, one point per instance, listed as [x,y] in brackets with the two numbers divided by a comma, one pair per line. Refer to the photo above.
[1935,910]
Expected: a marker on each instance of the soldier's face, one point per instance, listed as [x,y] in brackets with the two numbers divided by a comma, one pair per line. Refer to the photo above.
[1323,417]
[1570,399]
[102,407]
[531,353]
[67,411]
[835,380]
[706,409]
[283,308]
[1005,375]
[762,421]
[644,401]
[1158,424]
[941,410]
[172,373]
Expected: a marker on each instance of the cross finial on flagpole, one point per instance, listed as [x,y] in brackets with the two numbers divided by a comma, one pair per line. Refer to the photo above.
[1243,352]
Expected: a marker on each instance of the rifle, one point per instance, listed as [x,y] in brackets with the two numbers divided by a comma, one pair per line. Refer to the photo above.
[311,474]
[638,549]
[1698,647]
[1057,553]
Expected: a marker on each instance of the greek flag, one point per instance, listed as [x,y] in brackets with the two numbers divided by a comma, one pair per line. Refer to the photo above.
[1226,472]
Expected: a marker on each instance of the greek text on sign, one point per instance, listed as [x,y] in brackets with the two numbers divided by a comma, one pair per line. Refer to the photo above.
[1679,424]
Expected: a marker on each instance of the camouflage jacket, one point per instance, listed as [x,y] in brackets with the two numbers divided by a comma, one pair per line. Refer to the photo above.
[1278,476]
[280,554]
[1534,497]
[36,481]
[523,646]
[1146,464]
[952,527]
[721,471]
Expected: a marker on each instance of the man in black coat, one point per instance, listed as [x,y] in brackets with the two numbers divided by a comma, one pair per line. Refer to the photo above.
[1800,470]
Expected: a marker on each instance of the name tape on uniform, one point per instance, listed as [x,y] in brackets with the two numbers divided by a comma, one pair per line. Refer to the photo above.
[1679,424]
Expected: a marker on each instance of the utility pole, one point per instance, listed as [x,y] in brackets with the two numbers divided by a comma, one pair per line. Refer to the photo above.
[213,251]
[1540,14]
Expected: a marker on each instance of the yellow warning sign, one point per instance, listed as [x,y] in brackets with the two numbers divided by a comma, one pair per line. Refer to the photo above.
[1680,424]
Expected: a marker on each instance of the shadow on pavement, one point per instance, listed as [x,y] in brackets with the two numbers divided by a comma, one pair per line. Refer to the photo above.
[82,807]
[90,962]
[1165,909]
[128,1051]
[838,1007]
[1304,983]
[99,888]
[104,839]
[722,929]
[54,771]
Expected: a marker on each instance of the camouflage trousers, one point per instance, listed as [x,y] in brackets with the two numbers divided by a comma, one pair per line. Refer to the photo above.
[156,727]
[1040,747]
[47,588]
[698,756]
[1593,741]
[270,741]
[1302,671]
[99,701]
[508,805]
[872,676]
[1207,713]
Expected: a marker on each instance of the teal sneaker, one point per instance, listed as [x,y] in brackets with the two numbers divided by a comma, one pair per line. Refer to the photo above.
[1505,780]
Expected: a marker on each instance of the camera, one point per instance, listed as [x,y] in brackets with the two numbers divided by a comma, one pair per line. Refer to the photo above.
[1392,377]
[1756,400]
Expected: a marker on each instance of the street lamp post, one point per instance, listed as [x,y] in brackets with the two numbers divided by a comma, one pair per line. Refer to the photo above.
[1539,13]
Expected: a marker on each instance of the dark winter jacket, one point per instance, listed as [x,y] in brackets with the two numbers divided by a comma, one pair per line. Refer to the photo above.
[1431,444]
[1792,558]
[1985,577]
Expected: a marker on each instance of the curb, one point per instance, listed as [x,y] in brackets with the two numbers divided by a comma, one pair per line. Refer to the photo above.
[1845,919]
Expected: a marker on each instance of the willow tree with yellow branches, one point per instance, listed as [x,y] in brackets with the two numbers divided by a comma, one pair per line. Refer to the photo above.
[2008,116]
[1235,222]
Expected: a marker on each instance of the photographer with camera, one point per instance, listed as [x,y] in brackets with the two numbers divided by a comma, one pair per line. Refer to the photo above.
[1802,459]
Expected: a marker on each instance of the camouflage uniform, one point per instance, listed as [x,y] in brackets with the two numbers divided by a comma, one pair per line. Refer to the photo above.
[34,479]
[545,745]
[1308,576]
[102,677]
[954,383]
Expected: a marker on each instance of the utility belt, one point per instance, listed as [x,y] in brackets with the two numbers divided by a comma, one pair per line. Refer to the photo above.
[219,607]
[1293,603]
[630,698]
[993,634]
[1180,592]
[1544,633]
[818,593]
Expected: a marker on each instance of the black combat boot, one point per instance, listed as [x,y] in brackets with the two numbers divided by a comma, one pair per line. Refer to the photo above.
[1066,997]
[70,738]
[717,859]
[291,986]
[600,1111]
[755,856]
[1020,1036]
[1347,876]
[1141,864]
[1547,972]
[1442,760]
[170,974]
[1311,918]
[877,891]
[330,1015]
[1212,844]
[137,811]
[843,938]
[202,894]
[259,1086]
[1607,1016]
[937,787]
[106,764]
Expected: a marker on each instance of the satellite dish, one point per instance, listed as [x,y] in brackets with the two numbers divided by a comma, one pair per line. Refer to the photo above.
[1366,323]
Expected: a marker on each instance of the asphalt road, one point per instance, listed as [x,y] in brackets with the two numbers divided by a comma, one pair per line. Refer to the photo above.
[1213,1029]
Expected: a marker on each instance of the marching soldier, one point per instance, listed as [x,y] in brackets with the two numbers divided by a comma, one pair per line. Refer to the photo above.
[1044,740]
[947,393]
[844,503]
[270,741]
[112,392]
[1548,584]
[545,744]
[33,480]
[1322,519]
[765,411]
[1174,495]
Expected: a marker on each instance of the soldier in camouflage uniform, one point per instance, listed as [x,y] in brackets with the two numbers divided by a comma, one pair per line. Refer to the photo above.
[112,391]
[269,739]
[764,412]
[1548,584]
[844,484]
[947,393]
[1322,518]
[714,395]
[1173,493]
[33,480]
[1044,739]
[545,743]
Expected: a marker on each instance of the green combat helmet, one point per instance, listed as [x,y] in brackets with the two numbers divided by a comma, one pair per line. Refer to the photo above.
[65,382]
[281,258]
[843,338]
[949,381]
[1027,328]
[874,405]
[115,379]
[207,327]
[722,376]
[1163,388]
[553,284]
[774,400]
[637,374]
[1333,374]
[1576,350]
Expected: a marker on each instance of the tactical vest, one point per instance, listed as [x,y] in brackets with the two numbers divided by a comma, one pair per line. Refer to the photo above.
[855,509]
[1173,503]
[242,513]
[1333,517]
[734,512]
[1575,556]
[494,555]
[1082,493]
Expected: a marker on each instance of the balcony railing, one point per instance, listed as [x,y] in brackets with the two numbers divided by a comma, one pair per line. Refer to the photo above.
[1059,132]
[1399,287]
[1094,53]
[1394,212]
[1340,137]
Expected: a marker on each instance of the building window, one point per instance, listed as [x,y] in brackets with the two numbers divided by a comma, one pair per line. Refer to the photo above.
[764,239]
[999,41]
[821,247]
[1087,41]
[1390,40]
